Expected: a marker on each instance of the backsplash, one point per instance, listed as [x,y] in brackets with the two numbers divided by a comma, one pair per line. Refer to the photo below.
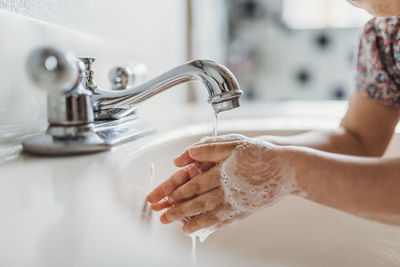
[20,101]
[116,33]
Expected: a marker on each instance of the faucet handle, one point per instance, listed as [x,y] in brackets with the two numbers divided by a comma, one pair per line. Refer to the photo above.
[121,77]
[53,70]
[124,77]
[88,62]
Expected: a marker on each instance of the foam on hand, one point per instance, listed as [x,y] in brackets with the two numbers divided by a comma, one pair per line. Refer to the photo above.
[252,178]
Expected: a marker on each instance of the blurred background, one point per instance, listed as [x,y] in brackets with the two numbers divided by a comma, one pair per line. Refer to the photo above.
[282,49]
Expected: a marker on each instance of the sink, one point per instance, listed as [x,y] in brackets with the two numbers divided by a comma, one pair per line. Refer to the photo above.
[294,232]
[89,211]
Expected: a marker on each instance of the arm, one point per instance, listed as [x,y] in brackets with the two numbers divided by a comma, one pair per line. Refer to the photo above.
[365,130]
[366,187]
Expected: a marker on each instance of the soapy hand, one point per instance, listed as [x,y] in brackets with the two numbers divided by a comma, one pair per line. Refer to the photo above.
[223,180]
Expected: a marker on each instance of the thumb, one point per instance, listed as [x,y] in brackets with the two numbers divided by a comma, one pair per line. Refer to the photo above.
[213,152]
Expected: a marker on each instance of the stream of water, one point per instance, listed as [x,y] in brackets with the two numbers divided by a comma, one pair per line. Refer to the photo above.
[215,125]
[202,233]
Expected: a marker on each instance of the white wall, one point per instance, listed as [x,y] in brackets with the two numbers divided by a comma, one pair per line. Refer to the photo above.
[118,31]
[210,34]
[153,29]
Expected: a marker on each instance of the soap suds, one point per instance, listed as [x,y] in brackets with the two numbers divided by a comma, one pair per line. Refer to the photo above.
[252,178]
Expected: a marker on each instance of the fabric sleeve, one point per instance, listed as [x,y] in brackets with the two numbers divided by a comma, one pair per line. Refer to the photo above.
[377,68]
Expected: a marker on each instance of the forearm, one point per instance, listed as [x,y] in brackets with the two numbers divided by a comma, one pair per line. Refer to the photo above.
[365,130]
[336,141]
[366,187]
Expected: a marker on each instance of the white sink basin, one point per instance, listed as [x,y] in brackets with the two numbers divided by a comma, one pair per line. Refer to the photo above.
[88,211]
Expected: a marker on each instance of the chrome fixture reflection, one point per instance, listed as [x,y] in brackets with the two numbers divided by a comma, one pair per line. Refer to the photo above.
[85,118]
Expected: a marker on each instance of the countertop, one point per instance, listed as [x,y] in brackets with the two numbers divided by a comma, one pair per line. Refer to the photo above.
[62,211]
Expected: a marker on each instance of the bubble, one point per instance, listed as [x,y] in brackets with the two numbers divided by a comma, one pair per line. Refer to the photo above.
[249,183]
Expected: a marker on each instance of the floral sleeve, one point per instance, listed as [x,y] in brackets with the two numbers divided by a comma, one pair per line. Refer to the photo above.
[378,75]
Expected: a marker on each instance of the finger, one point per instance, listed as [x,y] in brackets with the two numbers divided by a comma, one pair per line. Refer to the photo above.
[164,189]
[200,168]
[161,205]
[185,159]
[202,203]
[213,152]
[217,218]
[177,179]
[220,139]
[202,183]
[206,220]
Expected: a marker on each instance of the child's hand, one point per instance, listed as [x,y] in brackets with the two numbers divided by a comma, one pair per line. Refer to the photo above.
[223,180]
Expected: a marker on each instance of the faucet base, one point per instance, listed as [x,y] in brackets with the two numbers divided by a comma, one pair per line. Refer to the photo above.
[102,136]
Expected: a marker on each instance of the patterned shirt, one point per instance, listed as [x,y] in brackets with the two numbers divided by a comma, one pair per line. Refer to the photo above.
[378,66]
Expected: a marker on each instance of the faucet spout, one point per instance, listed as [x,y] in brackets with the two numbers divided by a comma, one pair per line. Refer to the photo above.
[85,118]
[223,89]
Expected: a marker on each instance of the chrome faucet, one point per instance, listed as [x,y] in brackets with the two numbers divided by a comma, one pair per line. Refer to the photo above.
[85,118]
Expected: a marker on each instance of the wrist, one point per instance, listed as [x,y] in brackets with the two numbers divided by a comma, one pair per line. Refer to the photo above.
[302,164]
[273,139]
